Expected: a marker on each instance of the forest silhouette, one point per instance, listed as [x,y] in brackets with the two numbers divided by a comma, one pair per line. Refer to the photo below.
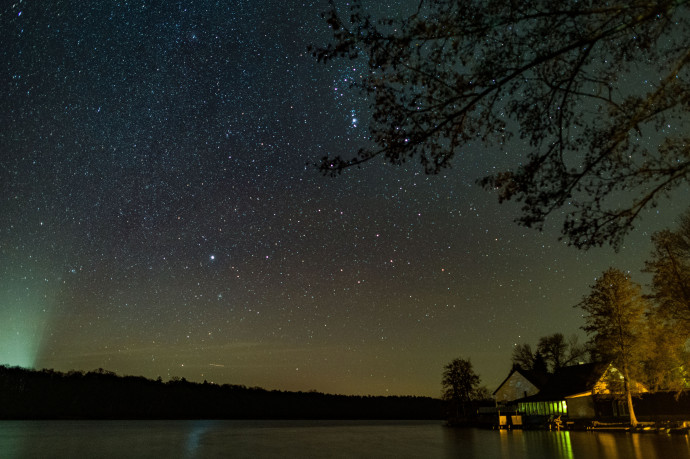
[101,394]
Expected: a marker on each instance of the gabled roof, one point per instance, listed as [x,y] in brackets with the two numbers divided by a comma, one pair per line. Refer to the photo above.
[538,378]
[572,380]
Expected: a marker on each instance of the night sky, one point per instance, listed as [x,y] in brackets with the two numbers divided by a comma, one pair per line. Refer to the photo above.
[160,215]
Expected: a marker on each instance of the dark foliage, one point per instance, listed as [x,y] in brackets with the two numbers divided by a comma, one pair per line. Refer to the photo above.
[523,357]
[670,266]
[562,74]
[48,394]
[460,384]
[559,352]
[553,352]
[615,319]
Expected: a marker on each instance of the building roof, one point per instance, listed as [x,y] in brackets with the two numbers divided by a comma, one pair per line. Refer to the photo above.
[569,381]
[538,378]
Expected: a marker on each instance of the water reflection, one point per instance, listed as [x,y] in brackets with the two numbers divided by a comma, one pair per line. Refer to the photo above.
[317,439]
[11,440]
[196,433]
[565,447]
[607,444]
[518,444]
[532,444]
[507,439]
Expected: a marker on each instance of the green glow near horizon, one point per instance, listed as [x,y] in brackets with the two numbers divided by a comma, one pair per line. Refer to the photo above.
[23,321]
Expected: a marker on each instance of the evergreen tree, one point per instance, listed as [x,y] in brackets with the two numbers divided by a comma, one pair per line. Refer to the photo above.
[540,365]
[615,318]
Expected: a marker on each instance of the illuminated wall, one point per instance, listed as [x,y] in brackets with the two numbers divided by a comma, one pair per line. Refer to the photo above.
[546,408]
[580,407]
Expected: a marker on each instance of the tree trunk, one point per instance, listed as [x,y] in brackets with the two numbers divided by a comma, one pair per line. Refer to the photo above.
[628,396]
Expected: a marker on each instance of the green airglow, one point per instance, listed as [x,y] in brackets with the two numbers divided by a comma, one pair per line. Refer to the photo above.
[23,322]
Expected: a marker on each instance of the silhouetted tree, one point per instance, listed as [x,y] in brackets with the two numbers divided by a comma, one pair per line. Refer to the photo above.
[459,384]
[553,348]
[523,357]
[540,365]
[483,394]
[577,352]
[558,72]
[559,352]
[553,352]
[670,266]
[615,317]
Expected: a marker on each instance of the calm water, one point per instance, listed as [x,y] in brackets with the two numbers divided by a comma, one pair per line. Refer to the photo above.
[317,439]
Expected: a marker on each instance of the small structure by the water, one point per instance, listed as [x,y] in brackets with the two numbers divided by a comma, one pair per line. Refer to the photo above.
[584,395]
[569,392]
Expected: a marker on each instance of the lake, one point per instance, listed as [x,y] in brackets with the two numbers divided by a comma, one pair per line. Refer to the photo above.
[318,439]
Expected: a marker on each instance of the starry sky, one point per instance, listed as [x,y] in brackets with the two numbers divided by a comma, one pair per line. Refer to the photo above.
[160,215]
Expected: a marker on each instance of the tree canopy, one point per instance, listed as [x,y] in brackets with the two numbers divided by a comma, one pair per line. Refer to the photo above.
[615,317]
[553,352]
[460,385]
[665,360]
[523,357]
[562,75]
[670,266]
[559,352]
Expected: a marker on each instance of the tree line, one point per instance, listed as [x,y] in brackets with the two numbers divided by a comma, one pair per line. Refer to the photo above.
[101,394]
[643,335]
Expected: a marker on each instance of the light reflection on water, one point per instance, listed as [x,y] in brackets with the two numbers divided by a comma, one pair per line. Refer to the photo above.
[552,444]
[195,435]
[563,439]
[318,439]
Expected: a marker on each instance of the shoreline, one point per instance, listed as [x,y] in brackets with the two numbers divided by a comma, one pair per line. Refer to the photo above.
[668,427]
